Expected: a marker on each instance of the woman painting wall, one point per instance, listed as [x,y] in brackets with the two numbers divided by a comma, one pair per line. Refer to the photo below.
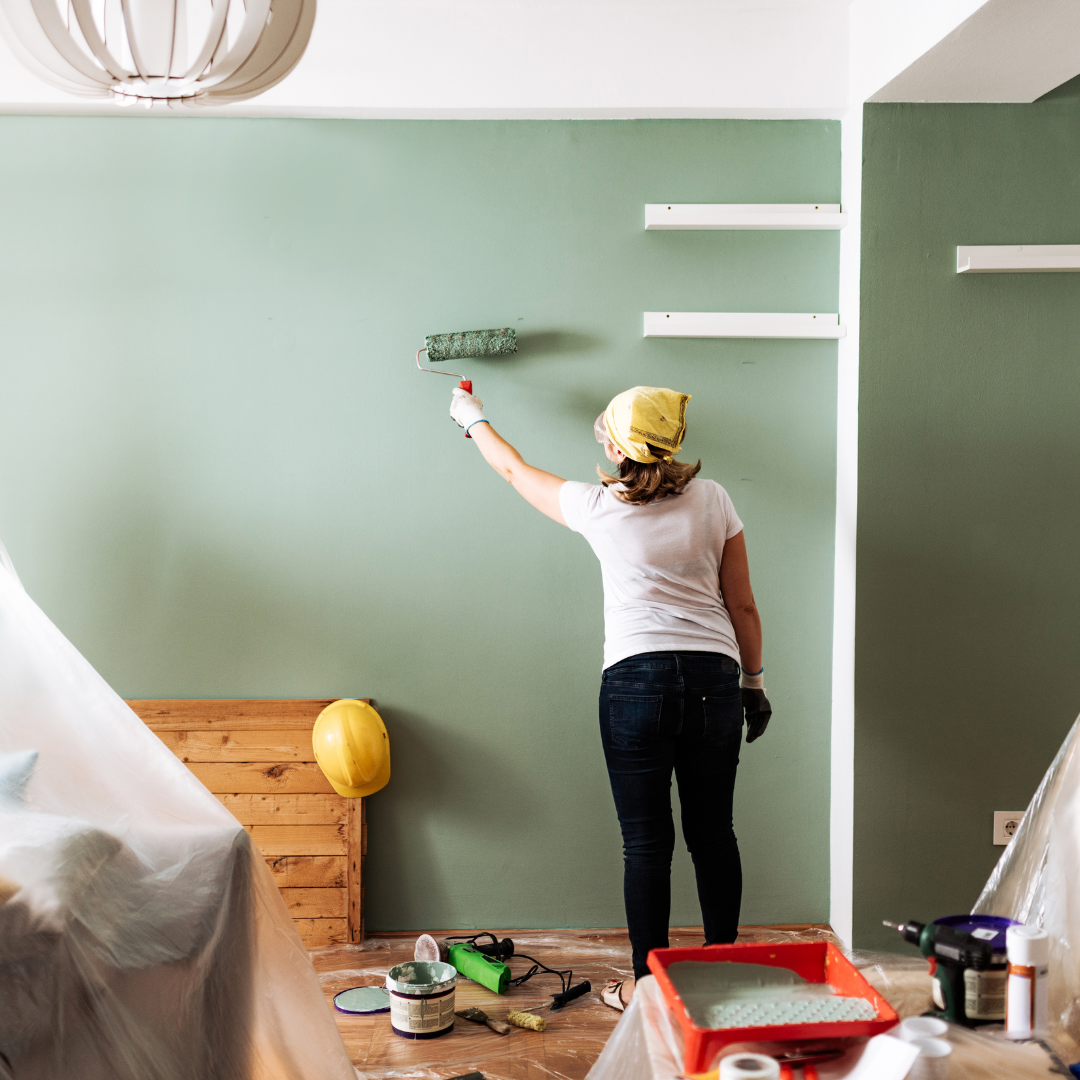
[681,627]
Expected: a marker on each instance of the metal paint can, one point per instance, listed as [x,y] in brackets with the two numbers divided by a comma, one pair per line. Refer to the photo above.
[422,998]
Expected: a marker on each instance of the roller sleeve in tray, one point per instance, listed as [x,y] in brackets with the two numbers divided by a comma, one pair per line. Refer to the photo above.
[817,962]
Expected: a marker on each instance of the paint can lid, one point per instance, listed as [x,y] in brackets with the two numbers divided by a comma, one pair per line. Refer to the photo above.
[363,1000]
[1029,946]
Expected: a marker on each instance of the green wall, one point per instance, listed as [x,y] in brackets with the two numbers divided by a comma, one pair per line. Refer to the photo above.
[968,619]
[222,476]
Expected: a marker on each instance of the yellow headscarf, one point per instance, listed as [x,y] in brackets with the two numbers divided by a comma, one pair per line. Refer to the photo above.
[647,414]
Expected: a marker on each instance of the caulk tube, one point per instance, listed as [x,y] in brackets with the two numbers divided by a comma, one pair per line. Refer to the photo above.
[1026,990]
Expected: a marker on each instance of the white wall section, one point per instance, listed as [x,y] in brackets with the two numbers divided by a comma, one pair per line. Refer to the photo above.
[1007,50]
[888,36]
[842,746]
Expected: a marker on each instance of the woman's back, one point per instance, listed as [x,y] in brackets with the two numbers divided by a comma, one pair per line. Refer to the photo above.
[661,566]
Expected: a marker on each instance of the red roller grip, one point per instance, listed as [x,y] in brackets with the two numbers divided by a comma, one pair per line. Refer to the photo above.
[466,385]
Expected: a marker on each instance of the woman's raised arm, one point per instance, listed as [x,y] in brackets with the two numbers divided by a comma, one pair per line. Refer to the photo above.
[535,486]
[539,488]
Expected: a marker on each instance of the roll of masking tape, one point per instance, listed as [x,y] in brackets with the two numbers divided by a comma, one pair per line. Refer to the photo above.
[749,1067]
[921,1027]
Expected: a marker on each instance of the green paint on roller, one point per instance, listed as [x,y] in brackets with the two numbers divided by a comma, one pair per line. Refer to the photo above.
[480,968]
[471,343]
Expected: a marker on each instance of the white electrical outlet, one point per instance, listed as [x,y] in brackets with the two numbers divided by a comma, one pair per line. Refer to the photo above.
[1006,822]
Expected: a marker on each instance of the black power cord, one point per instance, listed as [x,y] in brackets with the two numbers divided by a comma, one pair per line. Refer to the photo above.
[504,950]
[499,950]
[569,991]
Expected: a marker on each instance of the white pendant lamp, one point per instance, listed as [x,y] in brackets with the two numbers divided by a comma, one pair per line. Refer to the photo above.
[181,52]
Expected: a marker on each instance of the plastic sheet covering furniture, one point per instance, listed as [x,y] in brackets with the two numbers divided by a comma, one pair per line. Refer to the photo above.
[647,1043]
[1036,881]
[141,934]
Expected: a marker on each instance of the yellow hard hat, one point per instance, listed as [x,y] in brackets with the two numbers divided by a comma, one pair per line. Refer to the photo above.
[351,747]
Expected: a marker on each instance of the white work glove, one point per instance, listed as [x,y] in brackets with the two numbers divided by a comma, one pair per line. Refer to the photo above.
[465,409]
[753,682]
[757,705]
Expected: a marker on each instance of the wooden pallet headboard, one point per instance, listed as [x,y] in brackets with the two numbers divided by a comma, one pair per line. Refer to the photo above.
[256,757]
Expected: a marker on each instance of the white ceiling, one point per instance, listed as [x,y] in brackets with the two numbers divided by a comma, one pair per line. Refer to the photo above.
[547,58]
[580,58]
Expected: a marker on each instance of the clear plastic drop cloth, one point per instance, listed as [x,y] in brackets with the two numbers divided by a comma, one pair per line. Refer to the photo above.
[141,934]
[573,1037]
[1037,881]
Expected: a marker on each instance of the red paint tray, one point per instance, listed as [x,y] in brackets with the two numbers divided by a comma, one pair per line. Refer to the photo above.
[815,961]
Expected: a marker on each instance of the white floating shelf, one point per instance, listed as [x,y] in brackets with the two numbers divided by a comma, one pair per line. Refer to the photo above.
[1019,259]
[744,216]
[742,324]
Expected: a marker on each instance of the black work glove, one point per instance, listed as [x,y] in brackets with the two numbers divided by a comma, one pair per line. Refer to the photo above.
[758,713]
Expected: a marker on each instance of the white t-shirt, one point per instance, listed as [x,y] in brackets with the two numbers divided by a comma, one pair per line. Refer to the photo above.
[661,566]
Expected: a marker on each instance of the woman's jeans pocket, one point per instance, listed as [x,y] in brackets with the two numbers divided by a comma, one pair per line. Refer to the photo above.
[723,710]
[634,719]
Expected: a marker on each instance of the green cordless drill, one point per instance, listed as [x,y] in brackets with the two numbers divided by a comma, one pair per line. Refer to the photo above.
[953,954]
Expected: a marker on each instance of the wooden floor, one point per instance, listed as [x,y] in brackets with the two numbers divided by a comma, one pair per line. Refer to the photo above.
[565,1051]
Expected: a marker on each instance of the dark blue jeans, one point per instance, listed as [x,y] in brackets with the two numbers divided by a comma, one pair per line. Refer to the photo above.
[678,711]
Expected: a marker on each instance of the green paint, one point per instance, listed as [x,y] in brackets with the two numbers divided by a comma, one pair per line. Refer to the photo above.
[968,620]
[222,475]
[733,995]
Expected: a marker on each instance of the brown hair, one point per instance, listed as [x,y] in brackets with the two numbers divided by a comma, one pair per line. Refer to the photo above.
[644,482]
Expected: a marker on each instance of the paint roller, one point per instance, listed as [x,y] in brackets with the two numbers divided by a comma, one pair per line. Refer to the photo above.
[468,343]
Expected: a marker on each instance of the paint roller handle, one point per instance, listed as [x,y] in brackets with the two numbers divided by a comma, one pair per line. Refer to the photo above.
[466,385]
[568,995]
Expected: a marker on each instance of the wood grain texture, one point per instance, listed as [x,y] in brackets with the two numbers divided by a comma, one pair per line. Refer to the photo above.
[357,828]
[287,778]
[287,809]
[242,745]
[309,871]
[253,714]
[315,933]
[256,757]
[316,903]
[300,839]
